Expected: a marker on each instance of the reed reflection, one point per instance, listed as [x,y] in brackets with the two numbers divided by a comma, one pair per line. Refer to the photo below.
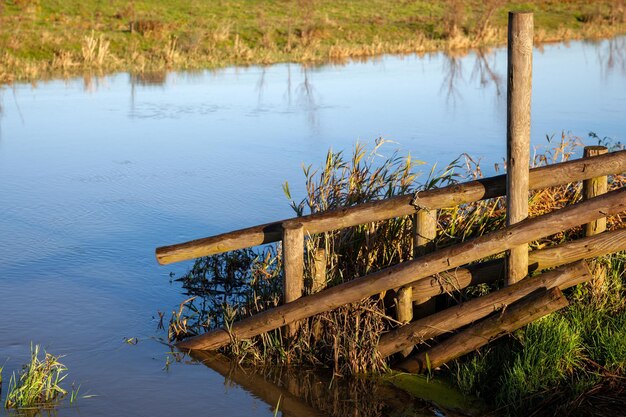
[611,55]
[483,73]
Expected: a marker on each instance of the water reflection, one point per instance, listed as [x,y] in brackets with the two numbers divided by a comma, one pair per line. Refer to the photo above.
[302,95]
[452,76]
[483,75]
[148,79]
[1,111]
[94,82]
[304,92]
[485,72]
[612,55]
[302,393]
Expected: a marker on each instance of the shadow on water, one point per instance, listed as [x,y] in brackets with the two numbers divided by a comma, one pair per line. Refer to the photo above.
[308,393]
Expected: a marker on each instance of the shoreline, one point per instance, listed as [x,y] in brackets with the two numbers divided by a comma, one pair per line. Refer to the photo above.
[156,73]
[40,43]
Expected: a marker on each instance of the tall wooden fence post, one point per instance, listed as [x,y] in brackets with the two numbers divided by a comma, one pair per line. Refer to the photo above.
[519,89]
[293,263]
[591,188]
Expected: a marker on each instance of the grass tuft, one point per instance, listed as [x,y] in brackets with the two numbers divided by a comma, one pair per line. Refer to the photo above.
[37,385]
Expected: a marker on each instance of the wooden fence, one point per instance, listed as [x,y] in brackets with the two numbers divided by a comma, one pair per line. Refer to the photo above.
[431,273]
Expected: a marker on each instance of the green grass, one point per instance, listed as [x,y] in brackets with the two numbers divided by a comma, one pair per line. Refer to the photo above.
[555,363]
[42,38]
[38,384]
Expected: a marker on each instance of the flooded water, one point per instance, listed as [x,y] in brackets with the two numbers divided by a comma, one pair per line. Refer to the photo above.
[96,173]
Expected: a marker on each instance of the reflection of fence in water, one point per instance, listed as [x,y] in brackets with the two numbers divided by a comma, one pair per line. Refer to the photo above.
[308,393]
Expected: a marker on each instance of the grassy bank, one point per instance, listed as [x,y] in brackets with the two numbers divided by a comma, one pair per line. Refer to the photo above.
[44,38]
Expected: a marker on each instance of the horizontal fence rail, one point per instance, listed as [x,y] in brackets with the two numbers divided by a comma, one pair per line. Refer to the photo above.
[470,311]
[517,315]
[411,271]
[492,271]
[467,192]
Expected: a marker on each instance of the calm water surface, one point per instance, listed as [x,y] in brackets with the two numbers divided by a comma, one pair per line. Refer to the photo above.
[96,173]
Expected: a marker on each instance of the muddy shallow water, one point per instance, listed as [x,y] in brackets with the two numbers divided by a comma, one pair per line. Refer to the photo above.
[95,173]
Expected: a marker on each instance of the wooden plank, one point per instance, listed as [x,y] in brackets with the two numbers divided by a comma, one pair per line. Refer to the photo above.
[519,92]
[407,272]
[452,318]
[468,192]
[585,248]
[510,319]
[293,265]
[492,271]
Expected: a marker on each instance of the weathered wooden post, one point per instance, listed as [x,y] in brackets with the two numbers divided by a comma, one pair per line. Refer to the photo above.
[425,232]
[519,89]
[318,281]
[594,187]
[591,188]
[319,267]
[293,264]
[424,225]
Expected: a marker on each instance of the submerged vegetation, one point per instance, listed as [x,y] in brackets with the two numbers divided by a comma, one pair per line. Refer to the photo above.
[41,38]
[38,384]
[572,358]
